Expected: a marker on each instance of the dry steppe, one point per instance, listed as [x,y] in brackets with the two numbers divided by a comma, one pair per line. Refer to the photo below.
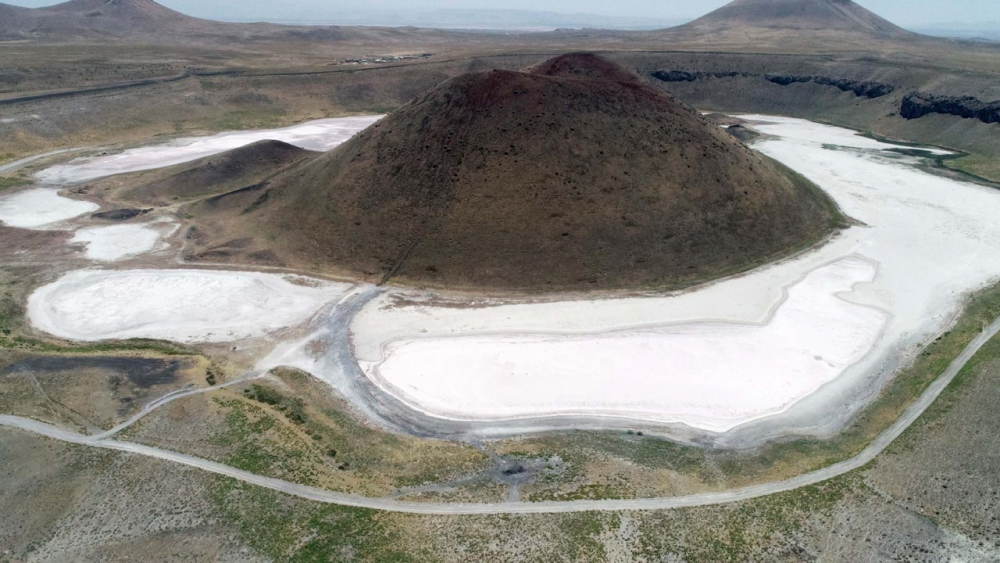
[77,76]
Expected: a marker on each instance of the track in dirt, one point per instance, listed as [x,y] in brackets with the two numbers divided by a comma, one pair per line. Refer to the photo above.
[663,503]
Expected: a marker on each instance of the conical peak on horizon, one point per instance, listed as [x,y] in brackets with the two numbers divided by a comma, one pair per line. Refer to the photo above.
[805,15]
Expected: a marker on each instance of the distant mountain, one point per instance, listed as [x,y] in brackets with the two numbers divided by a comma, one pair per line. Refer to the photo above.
[148,21]
[139,11]
[797,15]
[501,20]
[13,21]
[985,31]
[116,17]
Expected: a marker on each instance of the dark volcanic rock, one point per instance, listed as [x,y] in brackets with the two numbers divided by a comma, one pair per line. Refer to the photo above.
[742,133]
[584,66]
[786,80]
[143,372]
[919,104]
[860,88]
[120,214]
[684,76]
[573,174]
[866,89]
[675,76]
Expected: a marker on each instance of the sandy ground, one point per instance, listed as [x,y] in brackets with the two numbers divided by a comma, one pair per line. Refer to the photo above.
[320,135]
[117,242]
[932,240]
[40,207]
[180,305]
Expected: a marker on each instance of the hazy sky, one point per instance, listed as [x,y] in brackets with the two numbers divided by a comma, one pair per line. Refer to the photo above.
[903,12]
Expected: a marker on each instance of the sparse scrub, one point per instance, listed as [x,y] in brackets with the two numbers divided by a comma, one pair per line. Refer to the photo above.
[8,182]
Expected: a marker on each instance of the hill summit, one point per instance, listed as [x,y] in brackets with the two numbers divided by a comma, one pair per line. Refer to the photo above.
[803,15]
[584,65]
[112,17]
[148,22]
[571,175]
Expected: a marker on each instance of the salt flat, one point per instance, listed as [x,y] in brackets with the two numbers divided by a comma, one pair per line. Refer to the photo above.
[713,375]
[39,207]
[116,242]
[319,135]
[931,239]
[179,305]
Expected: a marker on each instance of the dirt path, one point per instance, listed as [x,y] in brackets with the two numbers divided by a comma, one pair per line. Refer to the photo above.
[665,503]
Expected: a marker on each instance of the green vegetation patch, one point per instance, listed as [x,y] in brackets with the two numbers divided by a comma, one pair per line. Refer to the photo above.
[407,461]
[979,166]
[258,118]
[284,529]
[293,409]
[134,345]
[11,315]
[258,442]
[7,182]
[742,532]
[949,398]
[588,491]
[292,432]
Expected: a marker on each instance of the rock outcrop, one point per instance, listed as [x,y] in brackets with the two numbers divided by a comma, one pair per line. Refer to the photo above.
[919,104]
[860,88]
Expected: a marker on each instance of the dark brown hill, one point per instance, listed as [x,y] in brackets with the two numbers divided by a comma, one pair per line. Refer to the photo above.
[148,22]
[802,15]
[126,10]
[515,180]
[12,22]
[583,65]
[220,173]
[110,17]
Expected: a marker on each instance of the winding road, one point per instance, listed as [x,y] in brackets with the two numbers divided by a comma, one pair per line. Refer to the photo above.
[392,505]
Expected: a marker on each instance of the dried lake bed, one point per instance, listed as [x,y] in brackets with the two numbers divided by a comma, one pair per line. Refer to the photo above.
[178,305]
[796,346]
[320,135]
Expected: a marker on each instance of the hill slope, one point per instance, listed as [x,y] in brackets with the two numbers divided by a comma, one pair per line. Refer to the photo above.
[146,21]
[12,22]
[584,65]
[801,15]
[83,17]
[521,180]
[232,170]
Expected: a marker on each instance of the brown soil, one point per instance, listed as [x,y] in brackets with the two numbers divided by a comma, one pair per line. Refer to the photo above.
[221,173]
[841,15]
[574,175]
